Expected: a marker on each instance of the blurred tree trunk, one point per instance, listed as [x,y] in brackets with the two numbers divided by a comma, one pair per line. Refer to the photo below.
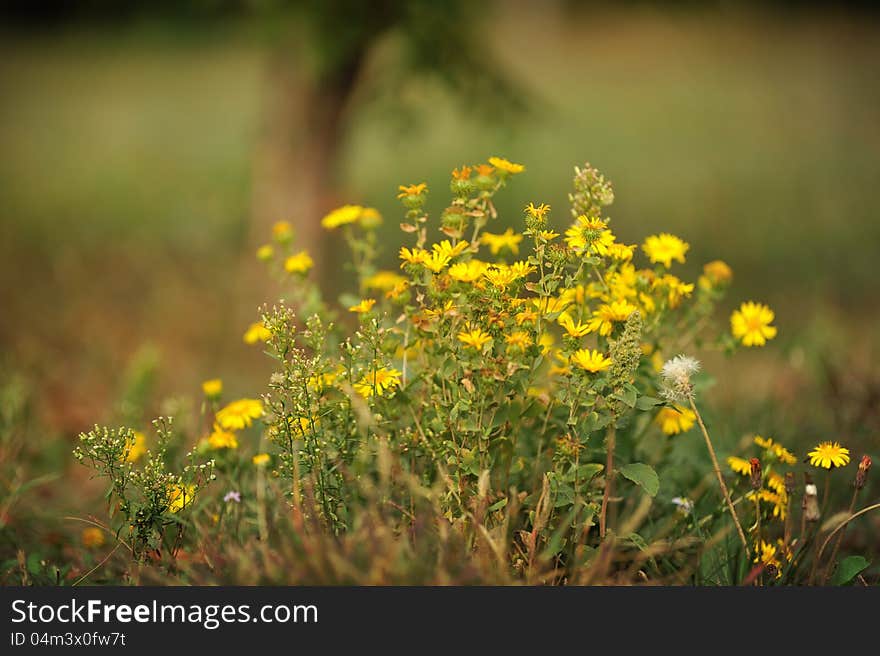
[299,147]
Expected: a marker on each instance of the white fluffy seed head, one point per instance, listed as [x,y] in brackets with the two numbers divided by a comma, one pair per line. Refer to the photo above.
[676,375]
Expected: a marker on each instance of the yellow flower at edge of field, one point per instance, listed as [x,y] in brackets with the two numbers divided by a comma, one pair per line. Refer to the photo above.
[265,252]
[412,190]
[257,332]
[363,307]
[592,361]
[538,212]
[828,454]
[673,421]
[378,382]
[282,231]
[299,263]
[93,537]
[239,414]
[474,337]
[506,165]
[782,454]
[751,324]
[180,496]
[740,465]
[261,459]
[573,329]
[222,439]
[384,280]
[519,339]
[715,274]
[136,447]
[212,388]
[496,243]
[342,216]
[664,248]
[469,271]
[607,315]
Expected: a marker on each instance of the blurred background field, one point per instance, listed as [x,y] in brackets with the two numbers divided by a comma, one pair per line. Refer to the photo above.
[130,171]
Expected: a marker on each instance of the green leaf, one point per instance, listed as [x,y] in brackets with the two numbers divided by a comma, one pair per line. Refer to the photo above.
[588,471]
[642,475]
[498,505]
[848,569]
[648,403]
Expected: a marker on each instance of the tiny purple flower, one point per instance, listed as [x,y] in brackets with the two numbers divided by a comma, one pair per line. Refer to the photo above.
[233,495]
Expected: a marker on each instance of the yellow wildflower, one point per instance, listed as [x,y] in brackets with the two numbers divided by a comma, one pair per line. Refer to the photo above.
[828,455]
[547,235]
[370,218]
[673,421]
[474,337]
[261,459]
[539,212]
[93,537]
[740,465]
[500,276]
[180,496]
[342,216]
[715,274]
[412,190]
[299,263]
[384,280]
[546,341]
[519,339]
[414,256]
[621,251]
[464,173]
[212,388]
[607,315]
[469,271]
[378,382]
[664,248]
[445,248]
[282,231]
[265,252]
[239,414]
[136,447]
[222,439]
[574,329]
[496,243]
[363,307]
[257,332]
[505,165]
[751,324]
[592,361]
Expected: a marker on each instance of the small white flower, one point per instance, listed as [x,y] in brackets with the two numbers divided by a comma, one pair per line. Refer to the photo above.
[676,375]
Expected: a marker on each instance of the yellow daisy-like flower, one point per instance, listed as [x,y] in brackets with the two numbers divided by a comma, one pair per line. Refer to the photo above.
[412,190]
[212,388]
[384,280]
[751,324]
[526,316]
[496,243]
[436,261]
[522,268]
[136,447]
[363,307]
[257,332]
[265,252]
[673,421]
[621,252]
[500,276]
[676,289]
[414,256]
[506,165]
[782,454]
[539,212]
[740,465]
[239,414]
[464,173]
[767,555]
[592,361]
[397,291]
[282,231]
[546,342]
[342,216]
[93,537]
[222,439]
[589,234]
[180,496]
[664,248]
[716,273]
[776,482]
[828,455]
[261,459]
[547,235]
[519,339]
[608,314]
[299,263]
[378,382]
[445,248]
[550,304]
[370,218]
[474,337]
[469,271]
[574,329]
